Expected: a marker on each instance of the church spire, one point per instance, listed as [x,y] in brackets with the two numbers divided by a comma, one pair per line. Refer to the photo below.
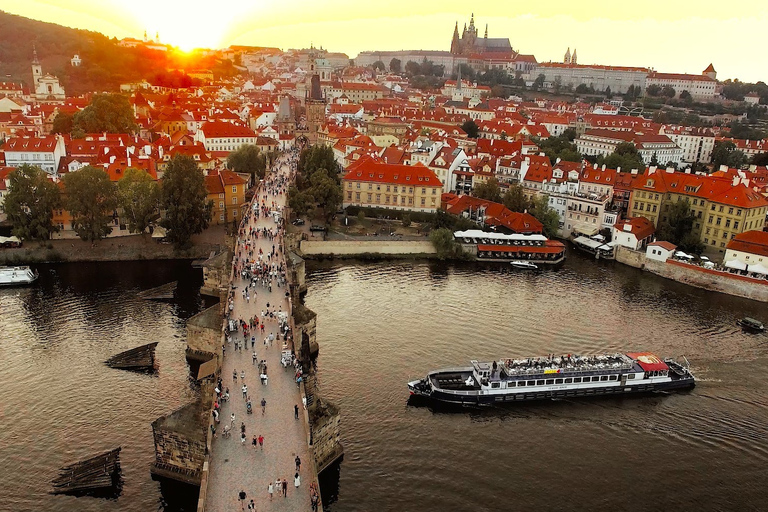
[573,57]
[486,31]
[34,55]
[472,21]
[567,58]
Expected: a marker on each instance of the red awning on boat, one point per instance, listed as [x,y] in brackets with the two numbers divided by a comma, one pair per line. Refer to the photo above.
[649,361]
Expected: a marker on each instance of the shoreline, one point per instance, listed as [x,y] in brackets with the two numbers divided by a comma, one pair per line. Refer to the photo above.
[124,248]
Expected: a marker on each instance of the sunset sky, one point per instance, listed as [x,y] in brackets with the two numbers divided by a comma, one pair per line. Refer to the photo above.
[681,36]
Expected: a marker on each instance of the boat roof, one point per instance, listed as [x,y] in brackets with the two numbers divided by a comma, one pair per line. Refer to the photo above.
[648,361]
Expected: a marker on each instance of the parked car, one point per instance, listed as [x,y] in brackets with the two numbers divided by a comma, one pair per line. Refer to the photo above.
[298,222]
[317,227]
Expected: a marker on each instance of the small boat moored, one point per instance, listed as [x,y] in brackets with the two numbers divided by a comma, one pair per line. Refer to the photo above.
[17,276]
[524,264]
[553,377]
[751,325]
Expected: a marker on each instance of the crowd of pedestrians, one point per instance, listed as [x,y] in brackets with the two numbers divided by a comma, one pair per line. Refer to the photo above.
[262,316]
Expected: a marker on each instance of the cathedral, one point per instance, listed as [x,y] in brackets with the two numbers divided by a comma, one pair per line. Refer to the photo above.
[469,43]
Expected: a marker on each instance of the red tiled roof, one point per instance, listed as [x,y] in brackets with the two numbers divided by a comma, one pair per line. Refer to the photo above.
[217,129]
[639,226]
[753,242]
[664,245]
[366,169]
[213,184]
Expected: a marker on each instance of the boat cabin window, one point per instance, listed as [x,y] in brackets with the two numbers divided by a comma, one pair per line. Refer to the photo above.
[511,384]
[568,380]
[604,378]
[550,382]
[595,379]
[614,377]
[539,382]
[558,381]
[521,383]
[576,380]
[494,385]
[631,376]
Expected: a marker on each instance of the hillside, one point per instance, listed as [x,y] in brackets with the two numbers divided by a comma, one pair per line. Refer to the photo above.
[105,64]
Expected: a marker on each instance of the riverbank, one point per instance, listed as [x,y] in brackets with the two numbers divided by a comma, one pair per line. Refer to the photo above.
[366,249]
[125,248]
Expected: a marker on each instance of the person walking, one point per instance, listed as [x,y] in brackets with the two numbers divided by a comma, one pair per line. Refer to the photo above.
[241,497]
[285,488]
[263,406]
[245,391]
[232,420]
[296,480]
[270,490]
[279,485]
[261,441]
[295,412]
[298,464]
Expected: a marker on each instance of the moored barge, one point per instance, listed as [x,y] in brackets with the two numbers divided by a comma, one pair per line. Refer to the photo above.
[553,377]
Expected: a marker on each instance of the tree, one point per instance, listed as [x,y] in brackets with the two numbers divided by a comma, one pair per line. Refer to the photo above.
[489,190]
[725,153]
[248,159]
[515,200]
[312,160]
[547,216]
[471,128]
[406,220]
[760,159]
[668,91]
[539,82]
[395,66]
[678,227]
[608,93]
[300,202]
[412,68]
[30,202]
[139,196]
[582,89]
[62,123]
[444,243]
[625,156]
[686,96]
[379,65]
[111,113]
[654,160]
[91,201]
[653,90]
[184,198]
[561,147]
[326,192]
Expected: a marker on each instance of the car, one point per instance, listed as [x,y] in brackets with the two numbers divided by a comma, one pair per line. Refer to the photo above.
[298,222]
[317,227]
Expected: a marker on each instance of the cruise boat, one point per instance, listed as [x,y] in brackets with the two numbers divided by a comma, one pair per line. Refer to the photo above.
[751,325]
[524,264]
[17,276]
[499,247]
[569,376]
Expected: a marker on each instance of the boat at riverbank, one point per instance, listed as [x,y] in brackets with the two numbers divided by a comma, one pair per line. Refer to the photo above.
[571,376]
[751,325]
[17,276]
[499,247]
[526,265]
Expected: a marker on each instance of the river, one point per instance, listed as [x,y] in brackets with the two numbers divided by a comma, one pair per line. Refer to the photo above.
[382,324]
[379,325]
[61,403]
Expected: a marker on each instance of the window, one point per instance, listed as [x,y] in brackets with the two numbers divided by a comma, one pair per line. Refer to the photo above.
[735,224]
[631,376]
[494,385]
[539,382]
[727,223]
[718,221]
[576,380]
[550,382]
[613,377]
[558,381]
[221,205]
[568,380]
[730,211]
[521,383]
[234,200]
[594,379]
[234,189]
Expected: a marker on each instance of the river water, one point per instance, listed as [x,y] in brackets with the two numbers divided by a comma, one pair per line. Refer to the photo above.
[382,324]
[60,403]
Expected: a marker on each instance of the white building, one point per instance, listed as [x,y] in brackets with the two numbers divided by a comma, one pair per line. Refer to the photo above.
[604,142]
[660,251]
[43,152]
[700,87]
[633,233]
[618,78]
[46,86]
[222,136]
[696,143]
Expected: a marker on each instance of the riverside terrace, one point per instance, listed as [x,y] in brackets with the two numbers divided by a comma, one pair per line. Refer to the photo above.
[236,466]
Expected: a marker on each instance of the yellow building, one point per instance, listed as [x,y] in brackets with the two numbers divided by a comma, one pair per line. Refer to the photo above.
[226,190]
[401,187]
[724,207]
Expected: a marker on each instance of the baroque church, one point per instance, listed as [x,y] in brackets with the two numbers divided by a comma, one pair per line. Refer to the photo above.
[45,86]
[470,44]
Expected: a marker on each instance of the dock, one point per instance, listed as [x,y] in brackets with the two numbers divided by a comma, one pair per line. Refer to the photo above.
[98,473]
[162,292]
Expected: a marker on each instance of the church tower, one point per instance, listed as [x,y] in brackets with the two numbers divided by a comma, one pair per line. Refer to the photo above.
[315,109]
[567,58]
[573,57]
[37,69]
[455,43]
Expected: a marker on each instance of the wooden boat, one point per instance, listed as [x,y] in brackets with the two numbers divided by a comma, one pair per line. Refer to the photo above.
[751,325]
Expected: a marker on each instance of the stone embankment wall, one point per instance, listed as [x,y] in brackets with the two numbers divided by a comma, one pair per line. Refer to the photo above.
[180,444]
[351,248]
[712,280]
[629,257]
[205,334]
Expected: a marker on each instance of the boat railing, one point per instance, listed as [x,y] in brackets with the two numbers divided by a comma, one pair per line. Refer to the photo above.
[566,369]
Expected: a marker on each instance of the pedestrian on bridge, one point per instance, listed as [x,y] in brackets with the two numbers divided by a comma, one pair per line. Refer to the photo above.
[263,406]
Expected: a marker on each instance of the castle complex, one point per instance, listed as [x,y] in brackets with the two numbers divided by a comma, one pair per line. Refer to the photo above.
[470,44]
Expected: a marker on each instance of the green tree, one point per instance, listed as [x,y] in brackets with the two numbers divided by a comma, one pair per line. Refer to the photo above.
[412,68]
[379,65]
[760,159]
[445,245]
[489,190]
[111,113]
[312,160]
[653,90]
[406,220]
[685,95]
[30,202]
[561,147]
[184,198]
[326,192]
[668,91]
[139,196]
[515,200]
[248,159]
[625,156]
[677,227]
[471,128]
[395,65]
[538,83]
[582,89]
[62,123]
[547,216]
[608,93]
[300,202]
[725,153]
[92,201]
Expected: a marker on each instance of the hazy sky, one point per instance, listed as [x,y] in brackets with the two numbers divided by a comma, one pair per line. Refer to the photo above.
[681,36]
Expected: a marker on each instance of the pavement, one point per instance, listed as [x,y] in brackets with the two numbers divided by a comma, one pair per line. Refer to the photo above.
[235,466]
